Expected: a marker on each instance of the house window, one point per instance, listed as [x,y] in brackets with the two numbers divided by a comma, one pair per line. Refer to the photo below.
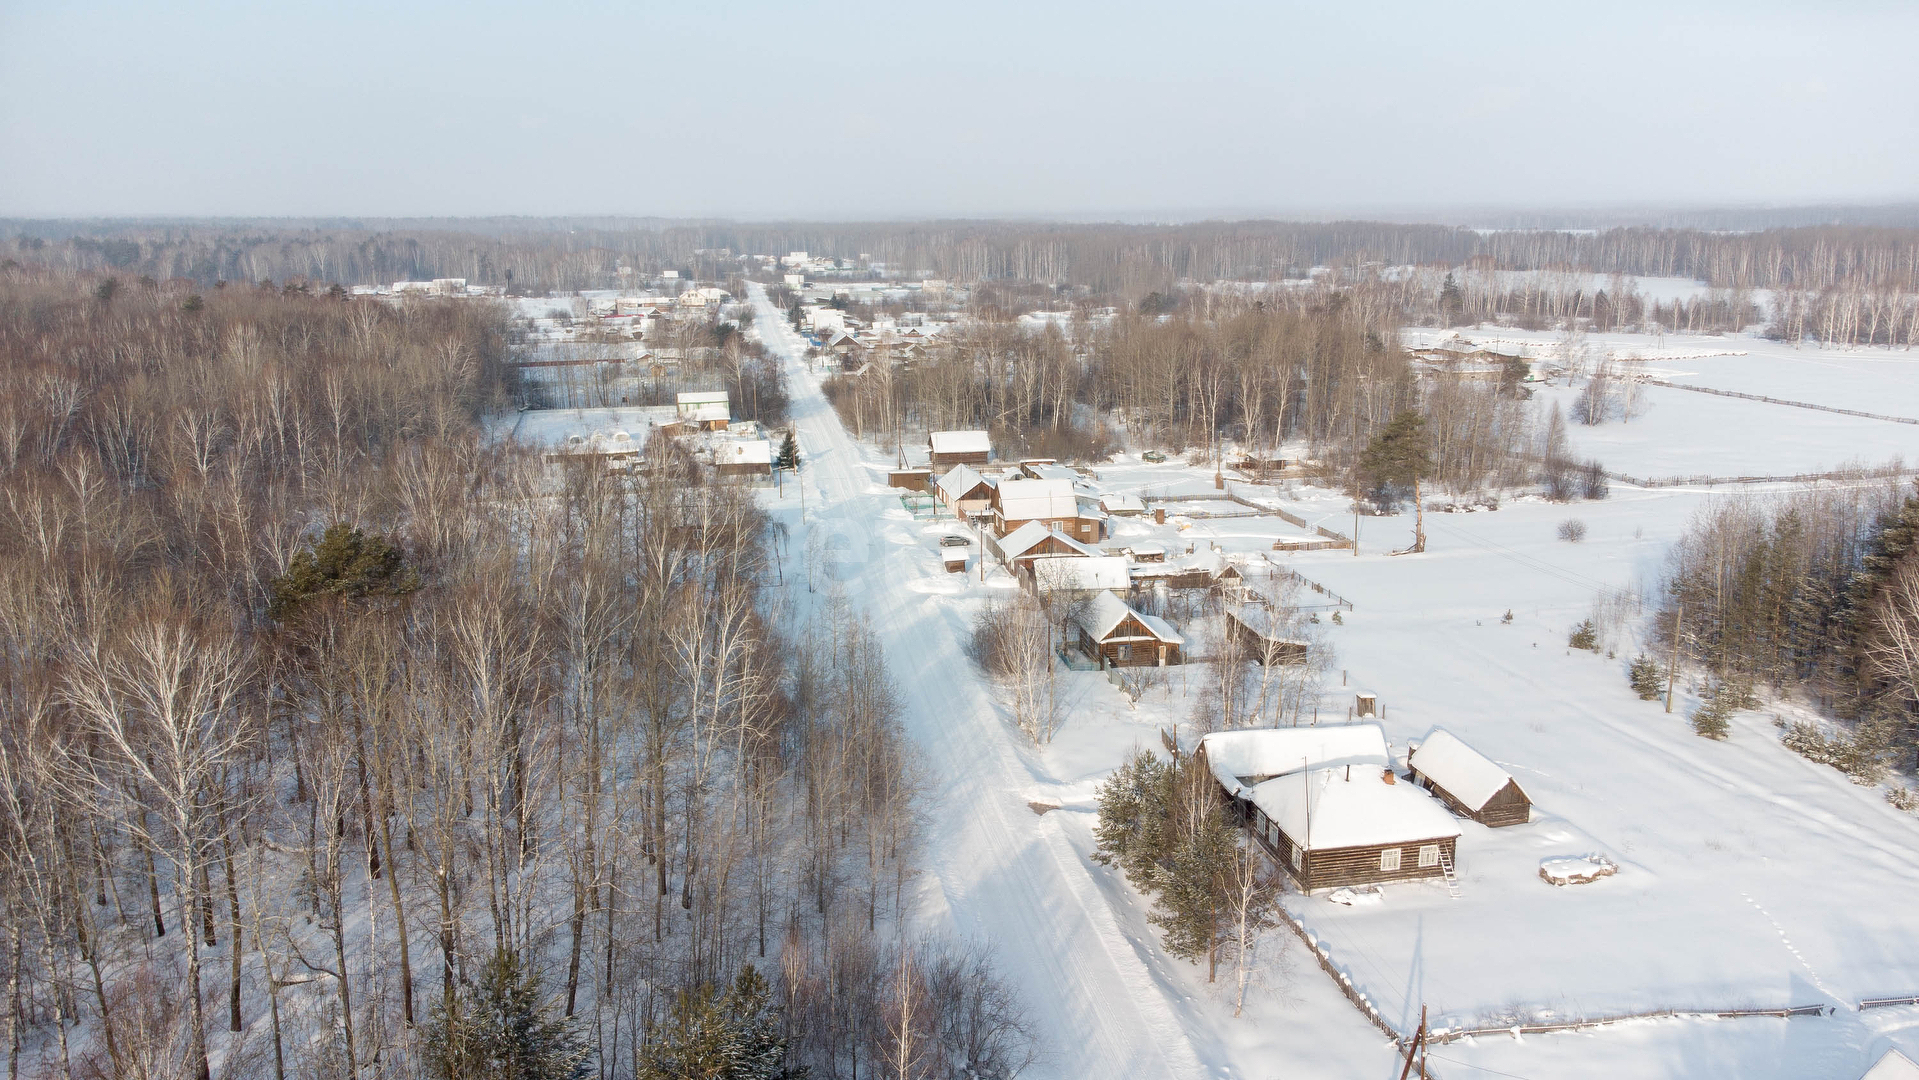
[1125,653]
[1297,861]
[1428,855]
[1389,859]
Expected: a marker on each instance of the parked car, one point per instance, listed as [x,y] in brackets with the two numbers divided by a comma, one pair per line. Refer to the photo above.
[951,540]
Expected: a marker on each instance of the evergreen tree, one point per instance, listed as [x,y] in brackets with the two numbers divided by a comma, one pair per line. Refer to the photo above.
[1648,681]
[1133,807]
[714,1035]
[1401,456]
[1450,301]
[346,563]
[789,452]
[502,1030]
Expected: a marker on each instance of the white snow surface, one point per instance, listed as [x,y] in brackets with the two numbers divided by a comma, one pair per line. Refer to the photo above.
[961,442]
[1242,760]
[1465,773]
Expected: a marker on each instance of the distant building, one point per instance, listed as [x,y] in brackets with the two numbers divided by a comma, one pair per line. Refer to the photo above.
[708,409]
[1113,633]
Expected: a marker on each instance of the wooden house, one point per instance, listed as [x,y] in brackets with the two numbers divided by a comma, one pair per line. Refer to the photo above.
[744,458]
[1035,540]
[964,491]
[959,448]
[1324,803]
[1092,574]
[1257,632]
[1017,502]
[1468,782]
[1116,635]
[706,409]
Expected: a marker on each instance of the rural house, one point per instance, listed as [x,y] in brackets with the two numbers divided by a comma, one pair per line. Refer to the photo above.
[1016,502]
[959,448]
[744,457]
[1468,782]
[1325,804]
[964,491]
[708,409]
[1118,636]
[1035,540]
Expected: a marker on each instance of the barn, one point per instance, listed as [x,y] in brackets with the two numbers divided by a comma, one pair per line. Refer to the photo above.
[1325,804]
[959,448]
[1468,782]
[1255,628]
[1117,636]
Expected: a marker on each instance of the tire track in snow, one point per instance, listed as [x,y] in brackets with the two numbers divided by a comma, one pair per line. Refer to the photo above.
[1004,874]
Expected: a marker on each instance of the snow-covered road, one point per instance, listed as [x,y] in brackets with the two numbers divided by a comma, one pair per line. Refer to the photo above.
[995,870]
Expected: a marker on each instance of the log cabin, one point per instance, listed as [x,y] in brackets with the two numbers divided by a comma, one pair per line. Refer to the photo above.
[1116,635]
[1325,805]
[1469,783]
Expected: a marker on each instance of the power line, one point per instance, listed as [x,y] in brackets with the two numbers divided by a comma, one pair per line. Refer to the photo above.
[1481,1068]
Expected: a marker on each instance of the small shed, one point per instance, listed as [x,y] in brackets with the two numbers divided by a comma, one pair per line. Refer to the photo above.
[910,479]
[1365,705]
[1113,633]
[959,448]
[1256,630]
[708,409]
[1120,504]
[1469,783]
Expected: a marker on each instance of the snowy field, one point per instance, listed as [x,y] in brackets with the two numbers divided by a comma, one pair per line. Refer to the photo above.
[1680,433]
[1748,876]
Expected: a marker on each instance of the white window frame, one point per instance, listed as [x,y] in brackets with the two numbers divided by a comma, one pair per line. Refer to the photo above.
[1298,861]
[1388,860]
[1428,856]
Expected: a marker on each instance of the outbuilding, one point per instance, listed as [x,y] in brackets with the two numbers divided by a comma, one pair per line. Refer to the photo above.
[1111,632]
[959,448]
[1468,782]
[964,491]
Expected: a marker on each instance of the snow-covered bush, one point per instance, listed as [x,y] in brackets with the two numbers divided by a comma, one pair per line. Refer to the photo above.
[1860,756]
[1572,530]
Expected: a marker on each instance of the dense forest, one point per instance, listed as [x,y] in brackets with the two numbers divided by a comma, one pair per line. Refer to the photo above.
[344,741]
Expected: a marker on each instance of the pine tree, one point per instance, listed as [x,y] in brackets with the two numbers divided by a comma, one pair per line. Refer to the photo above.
[344,562]
[789,452]
[1133,807]
[1401,455]
[1648,681]
[500,1029]
[734,1035]
[1713,718]
[1450,300]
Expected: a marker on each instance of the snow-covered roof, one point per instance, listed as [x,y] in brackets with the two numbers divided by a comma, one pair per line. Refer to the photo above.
[1892,1065]
[1242,759]
[961,442]
[959,480]
[1117,503]
[1030,535]
[1098,572]
[1467,774]
[702,397]
[1052,472]
[745,452]
[1347,806]
[1101,617]
[1025,500]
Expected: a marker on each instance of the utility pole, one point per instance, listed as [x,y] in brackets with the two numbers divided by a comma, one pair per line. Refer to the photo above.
[1672,670]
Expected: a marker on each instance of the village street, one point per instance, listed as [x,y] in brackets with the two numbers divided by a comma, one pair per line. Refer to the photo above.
[993,869]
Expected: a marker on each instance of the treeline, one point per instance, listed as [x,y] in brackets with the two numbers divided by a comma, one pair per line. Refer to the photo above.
[1129,261]
[1814,593]
[1320,368]
[341,741]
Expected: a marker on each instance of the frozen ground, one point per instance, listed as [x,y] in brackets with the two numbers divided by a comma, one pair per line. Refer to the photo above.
[1748,877]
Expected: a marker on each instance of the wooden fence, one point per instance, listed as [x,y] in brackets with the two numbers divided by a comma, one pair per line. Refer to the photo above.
[1779,401]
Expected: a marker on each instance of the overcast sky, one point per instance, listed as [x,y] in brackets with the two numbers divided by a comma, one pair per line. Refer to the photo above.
[953,109]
